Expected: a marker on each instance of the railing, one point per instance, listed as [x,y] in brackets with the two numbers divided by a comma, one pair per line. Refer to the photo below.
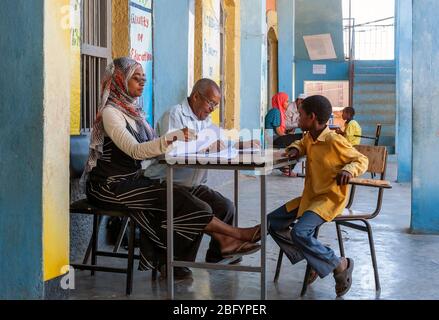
[349,40]
[373,40]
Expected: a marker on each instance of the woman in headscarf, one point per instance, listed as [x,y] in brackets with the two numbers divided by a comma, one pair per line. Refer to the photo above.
[120,140]
[276,120]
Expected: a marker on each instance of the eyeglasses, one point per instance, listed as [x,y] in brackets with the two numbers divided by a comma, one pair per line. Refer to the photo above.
[212,104]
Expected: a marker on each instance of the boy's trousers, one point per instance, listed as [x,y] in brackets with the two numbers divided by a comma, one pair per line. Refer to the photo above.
[297,241]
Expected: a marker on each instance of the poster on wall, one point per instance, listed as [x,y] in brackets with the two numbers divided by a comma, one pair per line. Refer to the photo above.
[142,49]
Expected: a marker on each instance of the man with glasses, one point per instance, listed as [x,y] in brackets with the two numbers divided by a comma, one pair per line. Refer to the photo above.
[195,113]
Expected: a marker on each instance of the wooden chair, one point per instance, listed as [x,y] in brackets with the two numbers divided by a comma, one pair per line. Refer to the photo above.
[376,138]
[83,207]
[357,220]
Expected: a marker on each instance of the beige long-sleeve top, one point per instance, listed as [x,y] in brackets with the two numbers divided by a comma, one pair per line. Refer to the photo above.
[115,128]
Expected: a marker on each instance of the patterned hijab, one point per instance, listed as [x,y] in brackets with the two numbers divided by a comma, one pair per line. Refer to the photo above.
[278,102]
[115,94]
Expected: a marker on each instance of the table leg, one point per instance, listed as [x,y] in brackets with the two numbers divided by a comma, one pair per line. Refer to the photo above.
[235,221]
[170,231]
[263,237]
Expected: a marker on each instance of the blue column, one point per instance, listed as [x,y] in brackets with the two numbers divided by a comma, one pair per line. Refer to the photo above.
[404,89]
[21,155]
[253,63]
[286,25]
[425,186]
[172,41]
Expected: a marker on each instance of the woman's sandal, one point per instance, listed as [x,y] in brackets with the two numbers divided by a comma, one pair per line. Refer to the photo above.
[343,280]
[257,235]
[287,172]
[242,250]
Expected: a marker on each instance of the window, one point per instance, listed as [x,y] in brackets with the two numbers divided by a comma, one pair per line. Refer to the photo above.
[95,55]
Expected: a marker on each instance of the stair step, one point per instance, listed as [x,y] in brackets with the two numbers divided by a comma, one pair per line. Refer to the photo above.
[375,78]
[373,119]
[374,87]
[375,70]
[375,63]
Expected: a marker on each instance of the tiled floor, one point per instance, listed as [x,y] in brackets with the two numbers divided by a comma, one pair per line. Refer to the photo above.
[407,263]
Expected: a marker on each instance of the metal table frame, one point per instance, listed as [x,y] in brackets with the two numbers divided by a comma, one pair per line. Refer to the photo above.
[262,168]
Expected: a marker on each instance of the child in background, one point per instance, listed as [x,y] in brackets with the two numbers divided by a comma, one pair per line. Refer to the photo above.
[352,131]
[331,163]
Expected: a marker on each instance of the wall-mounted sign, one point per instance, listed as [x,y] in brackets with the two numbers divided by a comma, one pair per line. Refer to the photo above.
[319,69]
[141,49]
[320,47]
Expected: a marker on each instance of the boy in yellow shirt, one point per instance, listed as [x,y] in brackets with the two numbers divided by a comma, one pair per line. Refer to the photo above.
[331,163]
[352,130]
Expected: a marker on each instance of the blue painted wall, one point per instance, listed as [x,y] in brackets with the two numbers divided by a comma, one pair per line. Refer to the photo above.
[425,186]
[335,70]
[404,103]
[171,47]
[21,155]
[253,63]
[319,17]
[286,26]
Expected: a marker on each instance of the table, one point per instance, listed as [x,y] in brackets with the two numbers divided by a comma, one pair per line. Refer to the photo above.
[262,163]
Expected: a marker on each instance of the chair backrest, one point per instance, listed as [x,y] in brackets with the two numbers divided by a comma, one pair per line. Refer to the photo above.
[377,134]
[377,156]
[79,146]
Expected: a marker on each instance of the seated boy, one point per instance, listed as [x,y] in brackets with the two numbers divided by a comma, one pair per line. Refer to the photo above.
[352,130]
[331,163]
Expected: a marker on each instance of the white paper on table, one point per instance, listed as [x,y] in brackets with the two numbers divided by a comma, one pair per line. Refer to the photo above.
[228,153]
[205,138]
[250,151]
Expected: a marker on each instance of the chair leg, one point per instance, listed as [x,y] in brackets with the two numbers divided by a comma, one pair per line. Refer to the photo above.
[373,255]
[279,265]
[95,241]
[340,240]
[305,280]
[308,269]
[122,232]
[129,284]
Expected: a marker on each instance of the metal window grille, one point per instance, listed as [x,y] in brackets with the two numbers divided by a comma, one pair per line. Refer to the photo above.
[95,55]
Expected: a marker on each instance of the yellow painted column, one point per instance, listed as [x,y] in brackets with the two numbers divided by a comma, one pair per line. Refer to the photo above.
[232,66]
[207,44]
[121,28]
[56,150]
[73,22]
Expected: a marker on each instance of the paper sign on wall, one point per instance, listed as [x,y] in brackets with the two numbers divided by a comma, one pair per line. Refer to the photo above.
[320,47]
[319,69]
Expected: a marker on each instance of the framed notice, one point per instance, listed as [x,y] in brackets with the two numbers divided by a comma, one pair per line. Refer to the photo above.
[142,49]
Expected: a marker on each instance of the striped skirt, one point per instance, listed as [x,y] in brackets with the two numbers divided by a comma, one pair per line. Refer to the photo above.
[147,206]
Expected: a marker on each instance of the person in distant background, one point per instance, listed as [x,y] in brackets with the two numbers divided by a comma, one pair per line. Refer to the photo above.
[352,131]
[276,120]
[292,115]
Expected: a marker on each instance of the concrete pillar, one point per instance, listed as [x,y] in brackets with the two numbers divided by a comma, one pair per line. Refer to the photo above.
[34,193]
[173,52]
[425,185]
[253,63]
[404,89]
[286,19]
